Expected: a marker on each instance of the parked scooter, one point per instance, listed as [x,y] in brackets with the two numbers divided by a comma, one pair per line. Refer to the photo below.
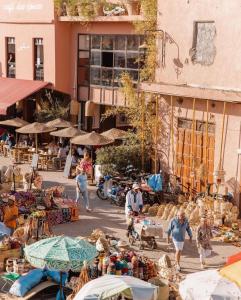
[117,194]
[102,187]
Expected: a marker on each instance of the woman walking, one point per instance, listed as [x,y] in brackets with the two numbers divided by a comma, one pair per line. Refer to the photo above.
[204,235]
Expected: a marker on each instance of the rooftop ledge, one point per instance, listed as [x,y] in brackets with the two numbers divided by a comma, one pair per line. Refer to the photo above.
[102,19]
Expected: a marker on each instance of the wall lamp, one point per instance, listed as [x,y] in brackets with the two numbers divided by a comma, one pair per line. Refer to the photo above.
[165,37]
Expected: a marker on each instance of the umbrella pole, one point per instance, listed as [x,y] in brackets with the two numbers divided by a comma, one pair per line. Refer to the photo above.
[61,287]
[36,142]
[92,171]
[14,184]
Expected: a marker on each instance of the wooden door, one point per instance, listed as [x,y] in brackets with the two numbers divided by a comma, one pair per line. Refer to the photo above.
[191,158]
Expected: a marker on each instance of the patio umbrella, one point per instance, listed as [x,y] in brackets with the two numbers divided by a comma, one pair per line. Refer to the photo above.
[108,286]
[232,272]
[59,123]
[208,285]
[91,139]
[233,258]
[60,253]
[35,128]
[68,132]
[115,134]
[16,122]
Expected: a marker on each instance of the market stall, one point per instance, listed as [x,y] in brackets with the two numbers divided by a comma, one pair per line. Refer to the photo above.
[222,216]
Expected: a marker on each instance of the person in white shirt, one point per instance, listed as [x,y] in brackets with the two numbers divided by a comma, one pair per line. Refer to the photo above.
[134,201]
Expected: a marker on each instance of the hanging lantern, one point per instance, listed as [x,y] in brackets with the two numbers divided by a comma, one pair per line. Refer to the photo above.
[74,108]
[90,108]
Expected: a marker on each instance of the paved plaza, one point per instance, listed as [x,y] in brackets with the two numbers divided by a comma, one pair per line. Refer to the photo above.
[111,219]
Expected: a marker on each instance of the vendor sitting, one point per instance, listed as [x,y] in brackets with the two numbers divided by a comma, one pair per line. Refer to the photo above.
[134,202]
[22,233]
[10,214]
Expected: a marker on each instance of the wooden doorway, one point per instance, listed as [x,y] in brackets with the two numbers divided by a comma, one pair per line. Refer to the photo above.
[202,151]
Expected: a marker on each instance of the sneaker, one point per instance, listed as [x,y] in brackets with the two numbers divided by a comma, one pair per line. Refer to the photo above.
[88,210]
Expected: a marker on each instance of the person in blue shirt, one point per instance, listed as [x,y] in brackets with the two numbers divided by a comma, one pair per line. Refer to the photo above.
[177,229]
[81,188]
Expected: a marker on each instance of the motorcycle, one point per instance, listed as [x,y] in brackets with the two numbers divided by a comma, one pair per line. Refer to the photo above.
[117,194]
[101,187]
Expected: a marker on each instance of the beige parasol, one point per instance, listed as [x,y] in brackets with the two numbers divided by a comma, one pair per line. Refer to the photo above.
[91,139]
[59,123]
[35,128]
[16,122]
[115,134]
[68,132]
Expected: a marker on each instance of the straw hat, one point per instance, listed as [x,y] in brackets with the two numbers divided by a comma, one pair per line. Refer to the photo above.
[35,128]
[91,139]
[16,122]
[114,134]
[68,132]
[59,123]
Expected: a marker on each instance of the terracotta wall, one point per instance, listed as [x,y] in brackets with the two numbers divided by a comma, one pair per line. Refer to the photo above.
[26,20]
[177,19]
[63,56]
[232,134]
[25,49]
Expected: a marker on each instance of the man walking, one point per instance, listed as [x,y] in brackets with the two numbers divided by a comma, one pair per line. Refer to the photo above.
[81,188]
[177,230]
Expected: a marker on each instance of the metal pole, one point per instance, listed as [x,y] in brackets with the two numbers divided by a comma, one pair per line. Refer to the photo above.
[192,145]
[206,158]
[221,149]
[172,135]
[143,132]
[156,134]
[36,142]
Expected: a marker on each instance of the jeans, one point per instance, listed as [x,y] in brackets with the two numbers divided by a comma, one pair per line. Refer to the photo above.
[84,195]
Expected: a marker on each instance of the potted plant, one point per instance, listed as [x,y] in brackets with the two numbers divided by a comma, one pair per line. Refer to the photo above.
[90,8]
[133,7]
[58,5]
[86,8]
[99,7]
[70,7]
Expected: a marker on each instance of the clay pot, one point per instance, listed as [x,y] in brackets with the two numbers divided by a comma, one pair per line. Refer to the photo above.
[133,7]
[99,9]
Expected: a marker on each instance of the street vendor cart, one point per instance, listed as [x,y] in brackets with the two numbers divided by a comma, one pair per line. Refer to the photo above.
[145,232]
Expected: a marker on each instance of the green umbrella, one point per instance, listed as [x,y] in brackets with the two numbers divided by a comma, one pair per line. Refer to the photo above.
[60,253]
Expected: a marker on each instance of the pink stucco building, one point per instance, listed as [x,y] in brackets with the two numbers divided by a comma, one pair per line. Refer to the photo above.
[198,57]
[70,53]
[201,61]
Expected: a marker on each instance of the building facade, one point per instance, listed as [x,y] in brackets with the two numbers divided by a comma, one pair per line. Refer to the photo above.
[80,59]
[199,74]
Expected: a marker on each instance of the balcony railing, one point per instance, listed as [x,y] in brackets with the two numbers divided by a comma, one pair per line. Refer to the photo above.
[114,10]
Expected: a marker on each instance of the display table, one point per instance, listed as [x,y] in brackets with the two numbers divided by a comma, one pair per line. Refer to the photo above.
[149,230]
